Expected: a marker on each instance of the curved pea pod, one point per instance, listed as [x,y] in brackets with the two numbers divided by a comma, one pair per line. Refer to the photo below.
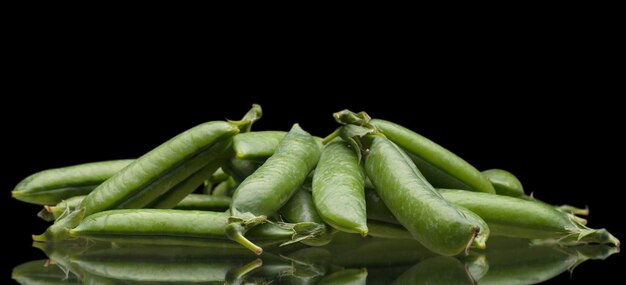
[42,272]
[504,182]
[264,192]
[300,209]
[173,227]
[514,217]
[436,270]
[346,276]
[257,146]
[384,221]
[414,202]
[441,167]
[338,188]
[49,187]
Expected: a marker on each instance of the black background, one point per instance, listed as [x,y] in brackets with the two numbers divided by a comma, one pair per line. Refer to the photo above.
[542,110]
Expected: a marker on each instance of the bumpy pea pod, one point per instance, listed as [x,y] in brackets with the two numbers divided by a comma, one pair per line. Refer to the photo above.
[504,182]
[383,219]
[172,227]
[338,186]
[439,165]
[40,272]
[437,224]
[514,217]
[436,270]
[300,209]
[191,202]
[52,186]
[264,192]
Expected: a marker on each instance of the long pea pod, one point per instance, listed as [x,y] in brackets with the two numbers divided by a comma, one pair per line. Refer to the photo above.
[514,217]
[441,167]
[414,202]
[49,187]
[173,227]
[264,192]
[200,202]
[504,182]
[338,188]
[300,209]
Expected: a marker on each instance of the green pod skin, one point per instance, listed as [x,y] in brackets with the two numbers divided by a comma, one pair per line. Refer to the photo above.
[40,272]
[436,270]
[257,146]
[437,224]
[50,187]
[504,182]
[520,218]
[338,188]
[376,209]
[172,197]
[300,209]
[172,227]
[200,202]
[162,168]
[264,192]
[441,167]
[345,277]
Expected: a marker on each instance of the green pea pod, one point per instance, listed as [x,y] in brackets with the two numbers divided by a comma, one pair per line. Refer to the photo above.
[345,277]
[49,187]
[42,272]
[338,186]
[380,215]
[172,227]
[191,202]
[440,166]
[514,217]
[414,202]
[387,230]
[504,182]
[264,192]
[300,209]
[257,146]
[436,270]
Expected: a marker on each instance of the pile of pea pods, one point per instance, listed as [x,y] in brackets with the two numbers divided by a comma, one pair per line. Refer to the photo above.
[222,184]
